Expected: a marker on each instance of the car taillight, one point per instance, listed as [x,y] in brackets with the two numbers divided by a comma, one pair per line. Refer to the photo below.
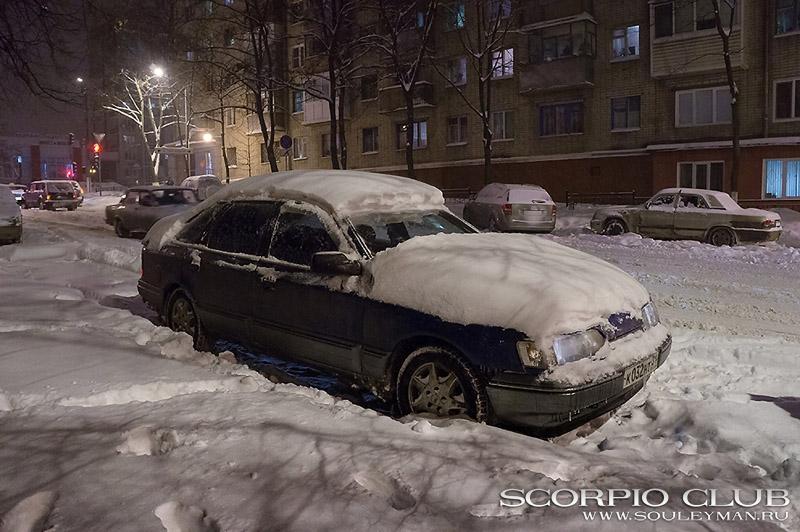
[769,224]
[507,208]
[49,196]
[555,209]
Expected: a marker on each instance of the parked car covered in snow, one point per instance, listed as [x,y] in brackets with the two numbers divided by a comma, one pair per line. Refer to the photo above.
[370,276]
[203,185]
[51,194]
[140,207]
[690,213]
[501,207]
[10,217]
[18,191]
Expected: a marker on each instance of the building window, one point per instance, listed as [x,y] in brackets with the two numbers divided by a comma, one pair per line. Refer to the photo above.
[298,55]
[264,157]
[503,63]
[563,41]
[457,130]
[457,70]
[230,117]
[625,112]
[701,175]
[686,16]
[625,42]
[369,87]
[782,178]
[787,16]
[369,140]
[419,135]
[503,125]
[298,101]
[230,154]
[455,15]
[561,119]
[701,107]
[499,9]
[299,148]
[326,145]
[787,100]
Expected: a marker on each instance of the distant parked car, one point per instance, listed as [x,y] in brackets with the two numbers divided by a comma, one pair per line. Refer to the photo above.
[370,276]
[18,191]
[141,207]
[689,213]
[10,217]
[78,190]
[51,194]
[204,185]
[502,207]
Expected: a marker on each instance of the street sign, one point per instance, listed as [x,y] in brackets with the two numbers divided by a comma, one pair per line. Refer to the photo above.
[286,142]
[99,136]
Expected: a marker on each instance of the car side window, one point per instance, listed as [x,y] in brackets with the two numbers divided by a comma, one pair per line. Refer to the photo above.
[196,227]
[662,200]
[240,228]
[131,198]
[298,236]
[692,201]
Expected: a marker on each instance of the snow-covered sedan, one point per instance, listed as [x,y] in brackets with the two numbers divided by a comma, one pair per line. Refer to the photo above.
[501,207]
[372,277]
[691,213]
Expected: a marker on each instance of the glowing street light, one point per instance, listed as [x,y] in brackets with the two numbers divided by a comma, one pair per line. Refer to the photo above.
[157,71]
[78,80]
[207,137]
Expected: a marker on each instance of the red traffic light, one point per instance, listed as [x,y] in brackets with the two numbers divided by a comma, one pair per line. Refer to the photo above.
[96,148]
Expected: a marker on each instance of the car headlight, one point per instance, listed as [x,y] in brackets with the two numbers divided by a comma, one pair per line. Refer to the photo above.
[571,347]
[650,315]
[533,357]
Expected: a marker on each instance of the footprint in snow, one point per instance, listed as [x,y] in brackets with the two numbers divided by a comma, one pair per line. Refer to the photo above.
[147,441]
[177,517]
[396,494]
[30,514]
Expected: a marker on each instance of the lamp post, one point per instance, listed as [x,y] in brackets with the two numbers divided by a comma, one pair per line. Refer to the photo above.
[85,141]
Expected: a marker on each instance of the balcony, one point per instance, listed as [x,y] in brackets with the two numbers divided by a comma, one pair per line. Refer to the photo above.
[576,71]
[694,52]
[254,128]
[540,11]
[391,99]
[316,111]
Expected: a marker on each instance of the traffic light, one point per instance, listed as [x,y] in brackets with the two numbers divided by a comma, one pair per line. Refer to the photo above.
[74,168]
[71,139]
[97,149]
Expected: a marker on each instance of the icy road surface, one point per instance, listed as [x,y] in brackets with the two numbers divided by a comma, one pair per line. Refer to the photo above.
[110,422]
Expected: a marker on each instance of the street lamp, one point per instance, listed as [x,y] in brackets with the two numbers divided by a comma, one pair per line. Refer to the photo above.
[157,71]
[84,156]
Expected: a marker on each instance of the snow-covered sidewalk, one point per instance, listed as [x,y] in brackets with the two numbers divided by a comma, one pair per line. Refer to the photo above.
[110,422]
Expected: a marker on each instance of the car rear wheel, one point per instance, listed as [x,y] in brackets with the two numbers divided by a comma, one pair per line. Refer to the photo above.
[120,229]
[614,227]
[722,236]
[182,317]
[433,380]
[494,226]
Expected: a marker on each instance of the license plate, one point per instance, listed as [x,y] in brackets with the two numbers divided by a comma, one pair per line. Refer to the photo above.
[639,371]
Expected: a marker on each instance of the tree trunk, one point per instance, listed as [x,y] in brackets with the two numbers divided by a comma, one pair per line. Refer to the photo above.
[409,97]
[342,136]
[734,91]
[334,129]
[222,141]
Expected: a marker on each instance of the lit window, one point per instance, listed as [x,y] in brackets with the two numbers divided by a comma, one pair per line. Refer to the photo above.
[625,42]
[298,101]
[562,41]
[230,117]
[419,135]
[503,63]
[782,178]
[299,148]
[455,16]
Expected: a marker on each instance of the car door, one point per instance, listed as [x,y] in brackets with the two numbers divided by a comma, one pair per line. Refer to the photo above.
[692,216]
[304,315]
[657,219]
[227,265]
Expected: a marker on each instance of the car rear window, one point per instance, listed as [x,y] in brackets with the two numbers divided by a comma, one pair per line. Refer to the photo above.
[528,195]
[59,187]
[173,196]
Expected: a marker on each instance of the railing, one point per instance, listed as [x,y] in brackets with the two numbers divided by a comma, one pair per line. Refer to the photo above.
[771,203]
[458,193]
[602,198]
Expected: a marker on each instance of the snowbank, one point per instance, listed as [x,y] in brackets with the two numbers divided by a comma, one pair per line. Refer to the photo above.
[790,220]
[515,281]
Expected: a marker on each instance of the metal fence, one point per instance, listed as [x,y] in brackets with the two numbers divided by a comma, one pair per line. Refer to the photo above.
[627,197]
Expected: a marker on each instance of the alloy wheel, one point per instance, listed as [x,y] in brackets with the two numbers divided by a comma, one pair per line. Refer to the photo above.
[437,390]
[182,317]
[614,228]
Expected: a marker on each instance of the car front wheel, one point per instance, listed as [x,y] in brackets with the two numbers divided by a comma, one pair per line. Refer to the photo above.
[614,227]
[120,229]
[433,380]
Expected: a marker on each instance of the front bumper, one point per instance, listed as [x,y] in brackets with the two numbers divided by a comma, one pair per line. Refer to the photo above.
[10,232]
[559,409]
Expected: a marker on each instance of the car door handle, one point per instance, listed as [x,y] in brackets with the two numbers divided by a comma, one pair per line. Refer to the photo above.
[266,283]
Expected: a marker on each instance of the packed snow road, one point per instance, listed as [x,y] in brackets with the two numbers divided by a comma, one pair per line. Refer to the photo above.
[111,422]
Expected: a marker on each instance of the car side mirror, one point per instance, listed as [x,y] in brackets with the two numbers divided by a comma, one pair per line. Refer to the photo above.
[646,205]
[334,263]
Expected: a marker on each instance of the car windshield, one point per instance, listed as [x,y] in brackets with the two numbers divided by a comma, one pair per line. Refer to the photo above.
[528,195]
[173,196]
[382,231]
[56,186]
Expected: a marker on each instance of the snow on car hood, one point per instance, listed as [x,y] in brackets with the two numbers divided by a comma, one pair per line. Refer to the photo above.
[514,281]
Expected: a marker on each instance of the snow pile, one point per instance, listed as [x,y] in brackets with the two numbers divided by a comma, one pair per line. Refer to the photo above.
[790,220]
[345,192]
[148,441]
[30,514]
[177,517]
[513,281]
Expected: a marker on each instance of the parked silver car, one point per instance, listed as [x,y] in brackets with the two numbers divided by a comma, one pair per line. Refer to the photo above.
[203,185]
[141,207]
[502,207]
[690,213]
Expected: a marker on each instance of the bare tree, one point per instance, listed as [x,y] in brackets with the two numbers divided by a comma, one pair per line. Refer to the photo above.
[724,28]
[483,43]
[403,44]
[147,101]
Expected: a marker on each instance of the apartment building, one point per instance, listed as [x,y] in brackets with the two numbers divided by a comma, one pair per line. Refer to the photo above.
[589,96]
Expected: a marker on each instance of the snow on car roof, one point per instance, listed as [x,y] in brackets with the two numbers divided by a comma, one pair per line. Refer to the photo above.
[724,199]
[343,192]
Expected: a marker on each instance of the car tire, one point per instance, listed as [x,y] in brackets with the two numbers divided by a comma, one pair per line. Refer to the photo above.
[182,317]
[120,229]
[456,389]
[494,226]
[72,208]
[614,227]
[722,236]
